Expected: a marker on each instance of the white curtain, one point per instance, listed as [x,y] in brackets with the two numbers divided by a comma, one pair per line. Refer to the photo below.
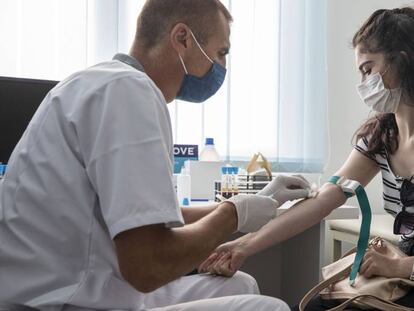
[274,96]
[50,39]
[302,101]
[45,39]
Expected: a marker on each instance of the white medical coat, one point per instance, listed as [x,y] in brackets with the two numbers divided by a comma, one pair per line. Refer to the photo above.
[95,160]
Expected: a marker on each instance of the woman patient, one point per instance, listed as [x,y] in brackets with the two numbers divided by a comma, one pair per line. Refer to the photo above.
[384,51]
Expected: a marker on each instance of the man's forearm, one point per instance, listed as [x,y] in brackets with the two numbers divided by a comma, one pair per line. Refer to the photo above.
[175,252]
[192,214]
[196,241]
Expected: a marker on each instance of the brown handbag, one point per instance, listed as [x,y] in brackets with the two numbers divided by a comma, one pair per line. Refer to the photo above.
[367,293]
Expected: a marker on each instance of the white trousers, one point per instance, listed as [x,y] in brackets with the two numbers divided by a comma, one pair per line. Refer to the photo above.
[206,292]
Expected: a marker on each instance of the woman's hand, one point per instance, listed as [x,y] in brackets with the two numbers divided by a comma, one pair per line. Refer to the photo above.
[226,259]
[376,263]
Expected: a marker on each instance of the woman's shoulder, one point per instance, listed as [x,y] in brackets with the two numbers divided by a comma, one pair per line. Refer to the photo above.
[363,146]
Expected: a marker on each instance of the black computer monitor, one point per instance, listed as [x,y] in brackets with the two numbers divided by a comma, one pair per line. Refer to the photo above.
[19,99]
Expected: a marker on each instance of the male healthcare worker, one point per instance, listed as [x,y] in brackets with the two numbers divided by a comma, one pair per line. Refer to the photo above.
[89,218]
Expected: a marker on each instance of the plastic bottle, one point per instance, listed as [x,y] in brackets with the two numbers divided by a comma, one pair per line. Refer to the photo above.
[209,152]
[184,187]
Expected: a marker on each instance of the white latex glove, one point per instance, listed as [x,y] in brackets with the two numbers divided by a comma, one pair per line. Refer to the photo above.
[286,188]
[253,211]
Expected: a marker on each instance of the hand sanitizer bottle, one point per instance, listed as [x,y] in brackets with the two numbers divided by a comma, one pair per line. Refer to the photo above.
[184,187]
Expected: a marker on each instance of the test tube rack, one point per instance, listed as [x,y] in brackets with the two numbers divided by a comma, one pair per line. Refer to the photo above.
[246,184]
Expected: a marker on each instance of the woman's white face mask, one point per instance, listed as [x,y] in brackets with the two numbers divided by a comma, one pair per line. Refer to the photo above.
[374,94]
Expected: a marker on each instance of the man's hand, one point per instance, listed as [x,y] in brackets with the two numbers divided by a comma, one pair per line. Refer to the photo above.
[253,211]
[286,188]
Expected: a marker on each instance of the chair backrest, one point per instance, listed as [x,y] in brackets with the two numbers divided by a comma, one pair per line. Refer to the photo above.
[15,307]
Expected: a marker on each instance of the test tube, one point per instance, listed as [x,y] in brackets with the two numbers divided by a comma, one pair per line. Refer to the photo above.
[235,173]
[224,182]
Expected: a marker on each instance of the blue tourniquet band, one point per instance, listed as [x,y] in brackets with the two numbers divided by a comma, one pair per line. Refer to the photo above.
[364,232]
[334,180]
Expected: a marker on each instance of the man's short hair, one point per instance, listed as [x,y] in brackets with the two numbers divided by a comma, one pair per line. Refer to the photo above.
[158,17]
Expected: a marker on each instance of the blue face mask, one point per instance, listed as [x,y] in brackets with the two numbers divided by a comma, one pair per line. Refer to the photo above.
[198,89]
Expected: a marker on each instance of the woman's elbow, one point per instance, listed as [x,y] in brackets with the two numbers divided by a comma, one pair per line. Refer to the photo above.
[331,197]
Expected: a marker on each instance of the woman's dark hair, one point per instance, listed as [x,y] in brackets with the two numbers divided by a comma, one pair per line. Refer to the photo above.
[390,32]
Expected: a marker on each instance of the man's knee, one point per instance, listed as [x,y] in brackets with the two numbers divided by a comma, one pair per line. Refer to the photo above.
[243,283]
[264,303]
[272,303]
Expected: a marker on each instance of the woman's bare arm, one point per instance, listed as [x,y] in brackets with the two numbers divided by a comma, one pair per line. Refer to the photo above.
[307,213]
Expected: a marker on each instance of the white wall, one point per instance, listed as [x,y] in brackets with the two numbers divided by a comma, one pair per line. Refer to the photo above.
[346,110]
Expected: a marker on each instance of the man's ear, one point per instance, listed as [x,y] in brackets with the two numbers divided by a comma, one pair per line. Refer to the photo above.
[180,38]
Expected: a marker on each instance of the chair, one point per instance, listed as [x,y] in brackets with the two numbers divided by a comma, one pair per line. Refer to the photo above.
[347,230]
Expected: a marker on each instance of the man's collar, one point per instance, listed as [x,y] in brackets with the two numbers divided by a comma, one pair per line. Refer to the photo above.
[129,60]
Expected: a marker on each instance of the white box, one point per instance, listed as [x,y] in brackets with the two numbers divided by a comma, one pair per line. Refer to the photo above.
[203,175]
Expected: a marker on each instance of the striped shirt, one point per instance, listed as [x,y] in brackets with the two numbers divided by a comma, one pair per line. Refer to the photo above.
[391,182]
